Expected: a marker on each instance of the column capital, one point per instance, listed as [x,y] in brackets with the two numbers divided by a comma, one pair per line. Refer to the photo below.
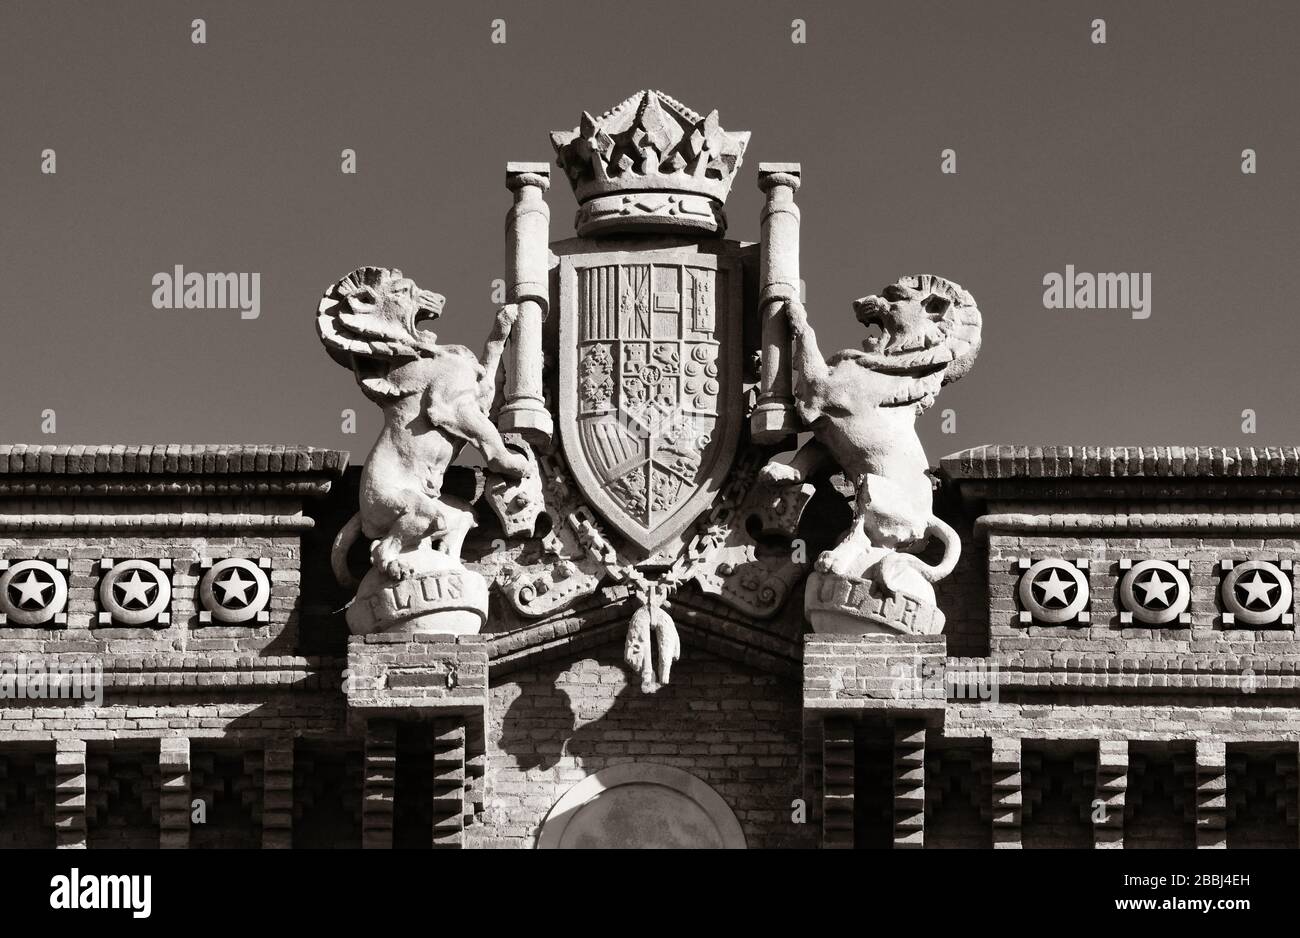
[522,175]
[771,175]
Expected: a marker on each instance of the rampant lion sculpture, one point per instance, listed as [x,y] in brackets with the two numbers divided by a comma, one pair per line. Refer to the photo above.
[435,399]
[862,407]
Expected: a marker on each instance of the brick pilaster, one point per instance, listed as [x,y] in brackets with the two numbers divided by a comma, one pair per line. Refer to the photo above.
[70,793]
[377,785]
[837,783]
[1112,789]
[448,782]
[1008,793]
[909,783]
[277,794]
[1211,795]
[174,793]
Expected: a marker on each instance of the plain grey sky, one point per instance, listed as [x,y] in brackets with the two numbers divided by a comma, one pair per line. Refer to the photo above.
[225,157]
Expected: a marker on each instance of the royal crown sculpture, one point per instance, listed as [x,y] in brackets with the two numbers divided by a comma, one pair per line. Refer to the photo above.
[650,164]
[668,360]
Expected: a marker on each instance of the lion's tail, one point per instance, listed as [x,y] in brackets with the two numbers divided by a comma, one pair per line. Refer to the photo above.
[339,553]
[951,550]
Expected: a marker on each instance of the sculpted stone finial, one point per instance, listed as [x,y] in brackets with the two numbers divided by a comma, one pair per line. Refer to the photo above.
[435,399]
[862,406]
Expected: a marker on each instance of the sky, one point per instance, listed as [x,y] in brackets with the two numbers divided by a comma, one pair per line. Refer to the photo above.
[1117,157]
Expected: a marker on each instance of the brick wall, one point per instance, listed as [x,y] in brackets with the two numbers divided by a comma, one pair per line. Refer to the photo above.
[1204,555]
[552,725]
[184,632]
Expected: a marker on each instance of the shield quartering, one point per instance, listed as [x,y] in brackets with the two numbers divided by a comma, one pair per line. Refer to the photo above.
[650,370]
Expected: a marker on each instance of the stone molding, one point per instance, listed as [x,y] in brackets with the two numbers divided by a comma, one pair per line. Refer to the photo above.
[170,459]
[1090,462]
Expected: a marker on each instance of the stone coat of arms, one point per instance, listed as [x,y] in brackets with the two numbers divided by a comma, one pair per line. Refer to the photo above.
[679,366]
[650,370]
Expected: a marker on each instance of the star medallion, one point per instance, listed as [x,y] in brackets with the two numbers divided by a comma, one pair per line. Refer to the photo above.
[31,590]
[234,585]
[1054,588]
[135,592]
[1256,590]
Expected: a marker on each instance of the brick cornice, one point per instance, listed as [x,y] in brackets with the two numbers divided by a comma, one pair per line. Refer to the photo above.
[1002,461]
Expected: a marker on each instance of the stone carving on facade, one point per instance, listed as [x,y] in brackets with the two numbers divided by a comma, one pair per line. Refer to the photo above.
[1154,592]
[135,592]
[234,590]
[641,487]
[1053,591]
[862,407]
[435,399]
[653,161]
[1257,593]
[33,592]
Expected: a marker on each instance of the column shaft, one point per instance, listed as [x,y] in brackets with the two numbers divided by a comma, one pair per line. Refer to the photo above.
[527,285]
[1211,795]
[70,793]
[837,783]
[1112,789]
[174,804]
[774,417]
[909,784]
[1008,793]
[277,794]
[377,785]
[448,783]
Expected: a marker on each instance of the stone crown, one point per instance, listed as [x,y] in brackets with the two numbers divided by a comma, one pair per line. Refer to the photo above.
[650,162]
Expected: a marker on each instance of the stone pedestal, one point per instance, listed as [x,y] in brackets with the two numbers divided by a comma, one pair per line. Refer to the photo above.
[412,675]
[881,673]
[441,596]
[847,606]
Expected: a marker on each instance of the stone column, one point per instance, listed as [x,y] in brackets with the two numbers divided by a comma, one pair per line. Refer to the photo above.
[1008,793]
[528,285]
[774,417]
[377,785]
[174,793]
[909,784]
[277,794]
[1112,787]
[837,783]
[1211,795]
[70,794]
[448,783]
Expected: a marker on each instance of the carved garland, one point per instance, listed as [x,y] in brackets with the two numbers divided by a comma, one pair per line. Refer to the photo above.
[583,557]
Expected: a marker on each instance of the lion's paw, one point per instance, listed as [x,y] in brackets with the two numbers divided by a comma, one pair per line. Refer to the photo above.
[399,569]
[894,570]
[507,316]
[510,464]
[797,315]
[780,473]
[830,564]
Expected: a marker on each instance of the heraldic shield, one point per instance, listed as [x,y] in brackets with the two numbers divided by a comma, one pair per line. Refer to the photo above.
[650,372]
